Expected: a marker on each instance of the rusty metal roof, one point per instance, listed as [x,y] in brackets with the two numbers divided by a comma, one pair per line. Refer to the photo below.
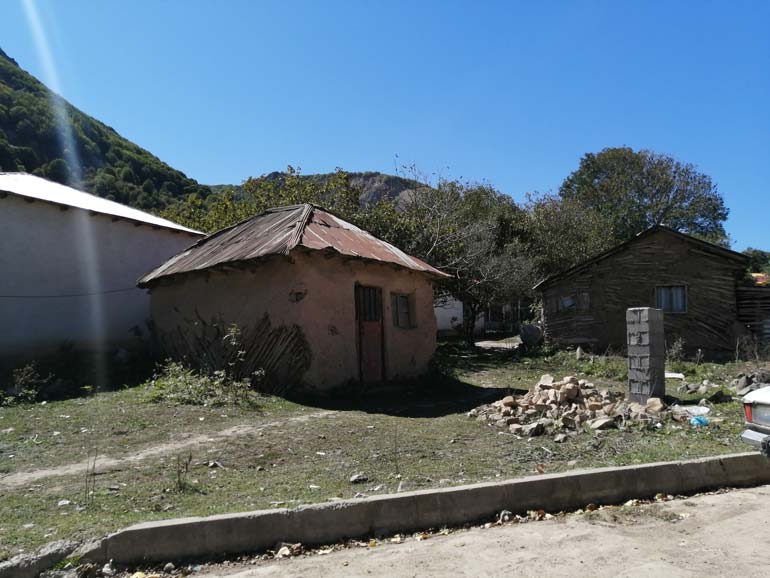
[279,231]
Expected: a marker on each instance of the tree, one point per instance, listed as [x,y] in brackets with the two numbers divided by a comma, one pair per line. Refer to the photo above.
[759,260]
[634,190]
[469,231]
[560,233]
[58,170]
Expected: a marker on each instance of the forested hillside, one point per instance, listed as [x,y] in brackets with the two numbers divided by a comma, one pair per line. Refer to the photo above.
[111,166]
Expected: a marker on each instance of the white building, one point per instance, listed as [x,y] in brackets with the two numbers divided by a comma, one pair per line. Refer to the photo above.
[69,262]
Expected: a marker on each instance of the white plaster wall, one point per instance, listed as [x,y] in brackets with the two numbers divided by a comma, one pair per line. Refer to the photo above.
[47,253]
[448,315]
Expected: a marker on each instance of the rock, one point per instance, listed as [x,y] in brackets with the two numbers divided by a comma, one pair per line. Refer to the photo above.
[571,379]
[744,391]
[636,409]
[546,379]
[169,568]
[516,428]
[358,479]
[703,390]
[560,438]
[594,406]
[579,353]
[406,486]
[87,570]
[571,391]
[720,396]
[504,516]
[743,382]
[508,401]
[534,429]
[761,376]
[283,552]
[654,405]
[108,569]
[138,575]
[602,423]
[63,503]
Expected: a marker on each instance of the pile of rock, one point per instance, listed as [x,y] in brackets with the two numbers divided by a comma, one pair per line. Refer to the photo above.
[564,407]
[747,382]
[701,388]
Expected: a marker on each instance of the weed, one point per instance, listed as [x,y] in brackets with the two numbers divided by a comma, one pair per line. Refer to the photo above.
[182,471]
[27,384]
[175,383]
[676,351]
[89,485]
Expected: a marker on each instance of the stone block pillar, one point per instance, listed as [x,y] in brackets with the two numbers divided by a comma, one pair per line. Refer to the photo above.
[646,354]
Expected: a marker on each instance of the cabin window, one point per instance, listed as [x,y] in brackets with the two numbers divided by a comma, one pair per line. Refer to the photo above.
[584,301]
[567,303]
[402,308]
[671,298]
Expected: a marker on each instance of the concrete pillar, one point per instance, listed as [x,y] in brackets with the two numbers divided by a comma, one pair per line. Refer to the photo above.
[646,354]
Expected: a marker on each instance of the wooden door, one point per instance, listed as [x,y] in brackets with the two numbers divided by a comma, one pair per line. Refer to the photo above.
[370,341]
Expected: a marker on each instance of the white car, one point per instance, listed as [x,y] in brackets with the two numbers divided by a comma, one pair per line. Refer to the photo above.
[756,407]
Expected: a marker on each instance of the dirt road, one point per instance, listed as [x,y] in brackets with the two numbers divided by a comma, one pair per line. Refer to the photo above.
[711,535]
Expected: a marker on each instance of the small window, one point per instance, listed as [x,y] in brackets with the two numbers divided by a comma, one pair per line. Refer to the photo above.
[671,299]
[402,309]
[566,303]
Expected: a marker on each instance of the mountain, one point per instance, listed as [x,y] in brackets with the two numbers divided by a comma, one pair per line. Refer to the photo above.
[111,166]
[373,185]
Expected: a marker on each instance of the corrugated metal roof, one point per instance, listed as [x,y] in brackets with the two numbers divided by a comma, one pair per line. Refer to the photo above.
[40,189]
[278,232]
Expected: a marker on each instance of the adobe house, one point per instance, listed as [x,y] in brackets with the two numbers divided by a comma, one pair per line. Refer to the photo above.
[324,302]
[694,282]
[69,264]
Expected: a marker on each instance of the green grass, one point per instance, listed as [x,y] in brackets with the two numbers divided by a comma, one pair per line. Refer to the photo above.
[420,436]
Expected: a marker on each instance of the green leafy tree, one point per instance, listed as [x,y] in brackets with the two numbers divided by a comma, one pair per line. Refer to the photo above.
[634,190]
[759,260]
[470,231]
[560,233]
[30,141]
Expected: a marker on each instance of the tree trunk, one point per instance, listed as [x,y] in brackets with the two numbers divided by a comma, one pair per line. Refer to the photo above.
[469,323]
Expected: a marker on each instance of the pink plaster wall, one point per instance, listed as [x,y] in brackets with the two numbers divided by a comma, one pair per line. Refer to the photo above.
[326,313]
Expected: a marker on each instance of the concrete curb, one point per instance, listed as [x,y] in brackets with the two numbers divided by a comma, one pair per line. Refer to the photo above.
[31,565]
[215,536]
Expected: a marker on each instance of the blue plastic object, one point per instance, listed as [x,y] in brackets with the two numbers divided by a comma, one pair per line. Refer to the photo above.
[699,421]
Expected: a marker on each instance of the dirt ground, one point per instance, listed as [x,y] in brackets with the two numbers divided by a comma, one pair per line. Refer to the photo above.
[723,535]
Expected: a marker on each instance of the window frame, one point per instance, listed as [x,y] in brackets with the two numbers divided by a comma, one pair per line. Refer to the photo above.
[396,310]
[670,286]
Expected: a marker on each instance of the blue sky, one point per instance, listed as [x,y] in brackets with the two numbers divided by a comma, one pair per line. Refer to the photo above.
[512,93]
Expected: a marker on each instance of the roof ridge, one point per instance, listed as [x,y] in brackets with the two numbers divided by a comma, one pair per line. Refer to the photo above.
[304,219]
[621,246]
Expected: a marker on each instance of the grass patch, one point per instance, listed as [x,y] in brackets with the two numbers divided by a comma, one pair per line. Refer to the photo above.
[286,453]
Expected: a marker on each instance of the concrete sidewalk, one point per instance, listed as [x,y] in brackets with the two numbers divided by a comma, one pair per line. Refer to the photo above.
[710,535]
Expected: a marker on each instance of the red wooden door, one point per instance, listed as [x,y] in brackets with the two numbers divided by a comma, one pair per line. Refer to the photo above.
[370,344]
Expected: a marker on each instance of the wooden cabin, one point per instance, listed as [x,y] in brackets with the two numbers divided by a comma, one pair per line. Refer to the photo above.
[693,281]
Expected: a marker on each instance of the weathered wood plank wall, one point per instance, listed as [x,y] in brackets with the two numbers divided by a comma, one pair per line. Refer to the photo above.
[628,278]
